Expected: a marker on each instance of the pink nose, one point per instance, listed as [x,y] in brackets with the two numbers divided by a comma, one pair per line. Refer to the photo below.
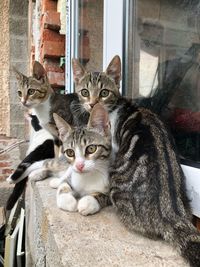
[80,166]
[23,101]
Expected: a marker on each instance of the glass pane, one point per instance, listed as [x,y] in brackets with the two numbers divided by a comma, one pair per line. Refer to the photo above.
[91,33]
[166,67]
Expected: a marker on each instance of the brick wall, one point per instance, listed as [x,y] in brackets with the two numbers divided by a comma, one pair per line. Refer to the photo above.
[51,43]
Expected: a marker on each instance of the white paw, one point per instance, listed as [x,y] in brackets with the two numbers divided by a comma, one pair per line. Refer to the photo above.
[36,175]
[55,182]
[10,180]
[66,201]
[88,205]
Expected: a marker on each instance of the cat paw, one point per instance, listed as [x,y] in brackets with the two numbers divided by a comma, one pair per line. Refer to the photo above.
[54,183]
[66,201]
[10,180]
[88,205]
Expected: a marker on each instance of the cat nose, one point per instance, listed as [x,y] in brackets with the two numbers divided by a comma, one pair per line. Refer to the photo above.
[92,105]
[80,166]
[23,101]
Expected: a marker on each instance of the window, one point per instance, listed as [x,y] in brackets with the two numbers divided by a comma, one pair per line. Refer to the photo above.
[166,72]
[162,57]
[159,44]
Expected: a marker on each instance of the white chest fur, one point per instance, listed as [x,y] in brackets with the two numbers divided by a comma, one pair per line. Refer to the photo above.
[87,183]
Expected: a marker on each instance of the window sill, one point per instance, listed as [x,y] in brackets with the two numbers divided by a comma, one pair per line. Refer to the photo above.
[193,187]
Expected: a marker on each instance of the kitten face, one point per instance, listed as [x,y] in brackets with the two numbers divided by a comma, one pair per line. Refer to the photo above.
[97,87]
[87,148]
[33,90]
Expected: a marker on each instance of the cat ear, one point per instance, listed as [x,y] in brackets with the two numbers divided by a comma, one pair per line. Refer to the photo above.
[18,74]
[78,70]
[38,71]
[99,119]
[114,70]
[63,127]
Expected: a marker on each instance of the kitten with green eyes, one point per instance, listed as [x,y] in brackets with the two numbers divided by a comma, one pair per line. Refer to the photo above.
[83,185]
[97,87]
[147,183]
[36,93]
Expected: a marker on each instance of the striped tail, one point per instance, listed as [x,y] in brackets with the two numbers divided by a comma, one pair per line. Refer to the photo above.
[187,238]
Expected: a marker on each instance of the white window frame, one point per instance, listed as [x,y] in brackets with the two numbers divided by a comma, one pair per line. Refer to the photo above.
[112,30]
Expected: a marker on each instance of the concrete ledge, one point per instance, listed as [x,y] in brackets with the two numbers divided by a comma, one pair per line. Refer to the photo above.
[62,239]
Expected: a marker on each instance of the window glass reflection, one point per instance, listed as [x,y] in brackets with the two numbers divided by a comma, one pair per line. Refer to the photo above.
[169,71]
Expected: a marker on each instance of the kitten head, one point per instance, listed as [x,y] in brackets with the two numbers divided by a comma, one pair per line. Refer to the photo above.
[87,148]
[97,87]
[35,89]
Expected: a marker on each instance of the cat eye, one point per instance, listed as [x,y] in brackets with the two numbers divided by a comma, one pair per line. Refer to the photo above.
[104,93]
[19,93]
[91,149]
[70,153]
[85,93]
[31,91]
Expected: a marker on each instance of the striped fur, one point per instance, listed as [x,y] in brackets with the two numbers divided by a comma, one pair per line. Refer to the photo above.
[147,182]
[147,185]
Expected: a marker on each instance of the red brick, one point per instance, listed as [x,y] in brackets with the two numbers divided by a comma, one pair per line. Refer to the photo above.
[51,20]
[7,171]
[49,5]
[52,49]
[56,79]
[4,164]
[49,35]
[52,65]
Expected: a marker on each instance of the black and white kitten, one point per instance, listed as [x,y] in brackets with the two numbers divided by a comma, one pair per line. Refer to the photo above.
[41,147]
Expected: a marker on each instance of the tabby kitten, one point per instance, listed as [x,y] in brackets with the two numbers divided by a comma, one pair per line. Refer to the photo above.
[147,183]
[84,183]
[37,95]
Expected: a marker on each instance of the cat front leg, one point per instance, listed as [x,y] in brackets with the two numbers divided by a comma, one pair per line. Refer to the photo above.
[55,182]
[91,204]
[65,198]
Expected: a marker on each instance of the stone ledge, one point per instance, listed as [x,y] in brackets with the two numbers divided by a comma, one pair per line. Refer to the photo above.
[58,238]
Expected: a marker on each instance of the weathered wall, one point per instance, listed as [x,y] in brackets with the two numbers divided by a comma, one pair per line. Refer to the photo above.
[18,50]
[4,67]
[13,52]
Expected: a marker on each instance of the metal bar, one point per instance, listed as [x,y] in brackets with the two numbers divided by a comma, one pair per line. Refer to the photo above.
[71,50]
[68,48]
